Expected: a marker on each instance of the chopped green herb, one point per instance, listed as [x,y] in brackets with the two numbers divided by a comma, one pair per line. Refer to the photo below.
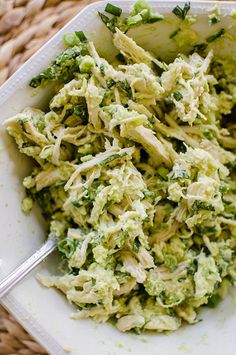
[205,229]
[27,145]
[70,39]
[104,18]
[140,14]
[47,74]
[181,12]
[177,95]
[66,57]
[192,269]
[136,245]
[77,203]
[114,10]
[126,87]
[86,64]
[141,6]
[208,134]
[216,35]
[111,158]
[154,18]
[110,83]
[224,188]
[81,36]
[173,34]
[213,20]
[201,205]
[107,205]
[81,110]
[110,23]
[66,247]
[59,69]
[134,20]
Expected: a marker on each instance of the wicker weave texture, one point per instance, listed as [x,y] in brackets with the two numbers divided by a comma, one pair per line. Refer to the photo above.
[13,338]
[26,25]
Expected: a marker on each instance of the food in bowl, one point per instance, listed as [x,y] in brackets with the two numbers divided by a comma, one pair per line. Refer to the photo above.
[135,173]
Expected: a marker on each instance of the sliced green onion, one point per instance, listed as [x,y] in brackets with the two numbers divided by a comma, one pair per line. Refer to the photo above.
[111,158]
[110,23]
[66,247]
[81,36]
[181,13]
[155,18]
[136,245]
[134,20]
[224,189]
[81,111]
[177,95]
[104,18]
[110,83]
[76,203]
[208,134]
[125,86]
[216,35]
[141,6]
[70,39]
[114,10]
[47,74]
[213,20]
[178,12]
[173,34]
[86,64]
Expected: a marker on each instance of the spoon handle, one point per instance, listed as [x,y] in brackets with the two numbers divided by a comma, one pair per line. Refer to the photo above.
[21,271]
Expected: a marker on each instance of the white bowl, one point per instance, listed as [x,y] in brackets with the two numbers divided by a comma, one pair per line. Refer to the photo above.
[45,312]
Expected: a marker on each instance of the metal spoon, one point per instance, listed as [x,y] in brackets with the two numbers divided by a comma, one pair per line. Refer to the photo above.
[21,271]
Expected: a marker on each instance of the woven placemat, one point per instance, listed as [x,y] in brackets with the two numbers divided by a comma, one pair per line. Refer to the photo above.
[24,27]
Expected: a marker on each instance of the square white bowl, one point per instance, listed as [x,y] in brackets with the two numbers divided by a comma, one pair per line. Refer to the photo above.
[45,312]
